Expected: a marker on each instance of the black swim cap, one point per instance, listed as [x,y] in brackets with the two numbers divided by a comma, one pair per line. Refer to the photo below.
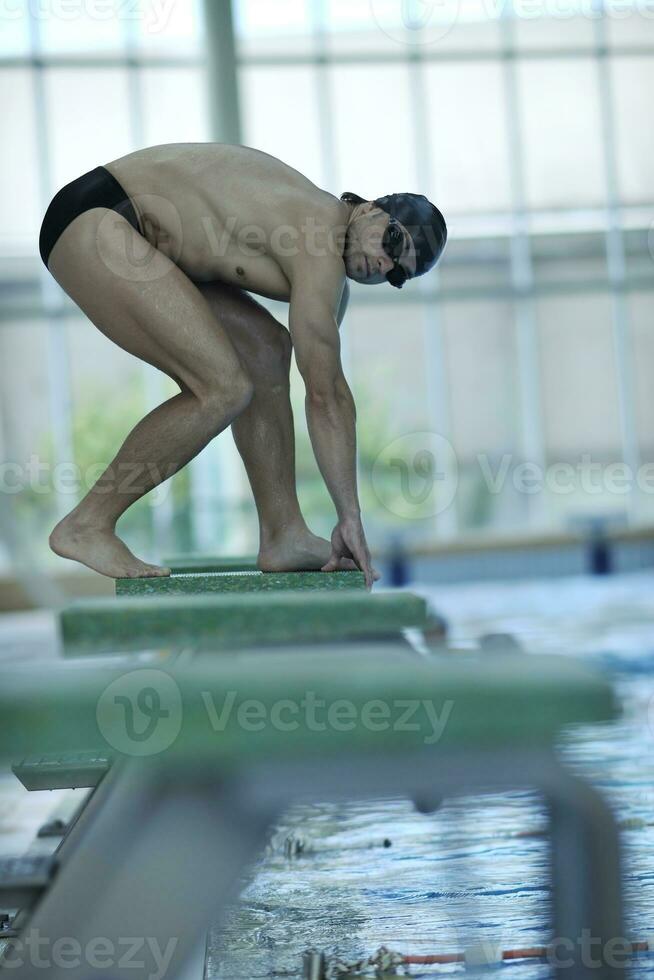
[424,223]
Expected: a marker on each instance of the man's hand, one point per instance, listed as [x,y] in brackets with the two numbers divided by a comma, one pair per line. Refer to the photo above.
[349,541]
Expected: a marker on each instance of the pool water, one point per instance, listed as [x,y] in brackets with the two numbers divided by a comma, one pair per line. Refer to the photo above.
[380,873]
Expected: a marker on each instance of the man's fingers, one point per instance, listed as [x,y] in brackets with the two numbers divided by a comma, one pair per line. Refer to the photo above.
[350,551]
[362,559]
[367,569]
[341,564]
[331,565]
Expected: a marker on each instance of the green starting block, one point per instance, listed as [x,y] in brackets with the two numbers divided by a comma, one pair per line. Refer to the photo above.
[178,564]
[217,622]
[195,583]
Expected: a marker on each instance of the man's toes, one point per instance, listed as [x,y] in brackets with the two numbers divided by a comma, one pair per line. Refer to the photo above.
[152,571]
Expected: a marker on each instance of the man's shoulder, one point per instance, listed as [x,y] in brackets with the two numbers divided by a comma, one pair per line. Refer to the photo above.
[319,231]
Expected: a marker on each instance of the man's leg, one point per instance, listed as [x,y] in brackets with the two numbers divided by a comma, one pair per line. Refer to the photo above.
[264,433]
[156,313]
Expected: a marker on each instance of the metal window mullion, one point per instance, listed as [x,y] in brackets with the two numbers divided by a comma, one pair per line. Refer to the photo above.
[320,62]
[561,287]
[224,105]
[439,409]
[59,373]
[616,262]
[458,56]
[216,476]
[160,503]
[522,278]
[331,176]
[84,62]
[335,57]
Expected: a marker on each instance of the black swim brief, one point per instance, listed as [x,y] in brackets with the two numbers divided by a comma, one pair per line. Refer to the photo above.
[96,189]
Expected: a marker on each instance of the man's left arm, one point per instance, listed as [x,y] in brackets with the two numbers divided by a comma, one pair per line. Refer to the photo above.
[316,304]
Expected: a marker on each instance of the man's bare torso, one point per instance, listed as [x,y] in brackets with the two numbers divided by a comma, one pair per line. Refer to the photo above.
[231,213]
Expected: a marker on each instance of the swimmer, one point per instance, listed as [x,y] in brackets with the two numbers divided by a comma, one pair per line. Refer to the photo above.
[165,250]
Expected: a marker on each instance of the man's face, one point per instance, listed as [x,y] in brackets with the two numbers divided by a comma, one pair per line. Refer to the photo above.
[365,258]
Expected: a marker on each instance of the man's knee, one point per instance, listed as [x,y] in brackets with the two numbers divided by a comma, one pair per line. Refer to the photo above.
[240,392]
[231,396]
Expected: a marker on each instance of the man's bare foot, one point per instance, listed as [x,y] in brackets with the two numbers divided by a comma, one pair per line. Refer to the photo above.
[101,550]
[298,551]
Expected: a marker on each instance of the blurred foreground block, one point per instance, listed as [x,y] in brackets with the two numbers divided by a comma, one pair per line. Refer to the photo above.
[190,800]
[72,770]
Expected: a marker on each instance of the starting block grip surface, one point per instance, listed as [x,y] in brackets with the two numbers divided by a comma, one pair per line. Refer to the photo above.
[196,583]
[217,622]
[178,564]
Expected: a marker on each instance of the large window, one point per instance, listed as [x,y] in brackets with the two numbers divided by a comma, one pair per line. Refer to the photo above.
[529,353]
[80,84]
